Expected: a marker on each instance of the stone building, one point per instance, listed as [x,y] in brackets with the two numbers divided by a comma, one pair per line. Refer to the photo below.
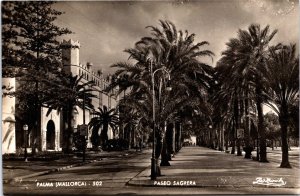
[73,66]
[50,136]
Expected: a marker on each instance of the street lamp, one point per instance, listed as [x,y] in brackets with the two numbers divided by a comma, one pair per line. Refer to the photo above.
[210,142]
[168,88]
[25,128]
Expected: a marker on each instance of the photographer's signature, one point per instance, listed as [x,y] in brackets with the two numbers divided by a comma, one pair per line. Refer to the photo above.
[270,181]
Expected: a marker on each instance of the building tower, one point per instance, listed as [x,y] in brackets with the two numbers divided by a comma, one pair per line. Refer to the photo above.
[70,56]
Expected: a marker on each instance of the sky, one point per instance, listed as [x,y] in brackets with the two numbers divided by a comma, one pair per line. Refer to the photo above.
[105,29]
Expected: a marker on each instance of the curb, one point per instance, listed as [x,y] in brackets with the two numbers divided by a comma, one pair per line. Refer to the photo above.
[144,183]
[20,178]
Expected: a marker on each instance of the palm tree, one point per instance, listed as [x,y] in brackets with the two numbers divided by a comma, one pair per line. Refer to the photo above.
[68,93]
[190,78]
[104,119]
[253,52]
[294,114]
[227,94]
[220,103]
[283,84]
[246,59]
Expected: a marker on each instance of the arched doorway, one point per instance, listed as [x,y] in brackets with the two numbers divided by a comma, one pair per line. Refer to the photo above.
[50,135]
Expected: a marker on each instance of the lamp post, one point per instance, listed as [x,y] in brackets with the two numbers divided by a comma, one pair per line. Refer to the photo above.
[25,128]
[210,142]
[168,88]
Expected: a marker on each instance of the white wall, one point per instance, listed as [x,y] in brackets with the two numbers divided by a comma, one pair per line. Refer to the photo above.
[44,121]
[8,118]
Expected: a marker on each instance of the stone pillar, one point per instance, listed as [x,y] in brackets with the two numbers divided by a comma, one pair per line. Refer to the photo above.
[174,137]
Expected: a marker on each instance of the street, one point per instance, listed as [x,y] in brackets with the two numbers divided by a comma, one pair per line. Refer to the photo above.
[213,172]
[109,172]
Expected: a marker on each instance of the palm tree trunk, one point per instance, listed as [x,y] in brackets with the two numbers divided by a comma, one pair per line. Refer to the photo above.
[104,135]
[247,148]
[164,152]
[238,125]
[283,120]
[158,149]
[95,138]
[221,146]
[233,140]
[260,126]
[233,146]
[219,137]
[69,129]
[236,118]
[226,141]
[178,136]
[170,140]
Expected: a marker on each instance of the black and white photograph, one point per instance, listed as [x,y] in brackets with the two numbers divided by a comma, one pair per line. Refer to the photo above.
[173,97]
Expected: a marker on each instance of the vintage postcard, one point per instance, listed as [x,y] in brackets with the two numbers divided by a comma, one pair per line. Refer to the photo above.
[150,97]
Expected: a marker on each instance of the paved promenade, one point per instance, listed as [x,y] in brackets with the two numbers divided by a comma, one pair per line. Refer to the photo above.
[194,170]
[20,170]
[204,167]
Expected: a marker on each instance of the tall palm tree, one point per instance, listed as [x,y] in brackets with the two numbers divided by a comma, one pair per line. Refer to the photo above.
[246,59]
[176,52]
[253,52]
[68,93]
[220,103]
[283,84]
[227,94]
[104,119]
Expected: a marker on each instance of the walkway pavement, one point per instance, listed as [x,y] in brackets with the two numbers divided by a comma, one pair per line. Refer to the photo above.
[191,169]
[18,170]
[204,167]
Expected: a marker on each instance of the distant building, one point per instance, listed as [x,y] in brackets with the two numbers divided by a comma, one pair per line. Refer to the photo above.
[51,127]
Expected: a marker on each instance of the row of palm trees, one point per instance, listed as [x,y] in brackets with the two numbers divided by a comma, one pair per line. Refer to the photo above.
[251,73]
[227,98]
[190,78]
